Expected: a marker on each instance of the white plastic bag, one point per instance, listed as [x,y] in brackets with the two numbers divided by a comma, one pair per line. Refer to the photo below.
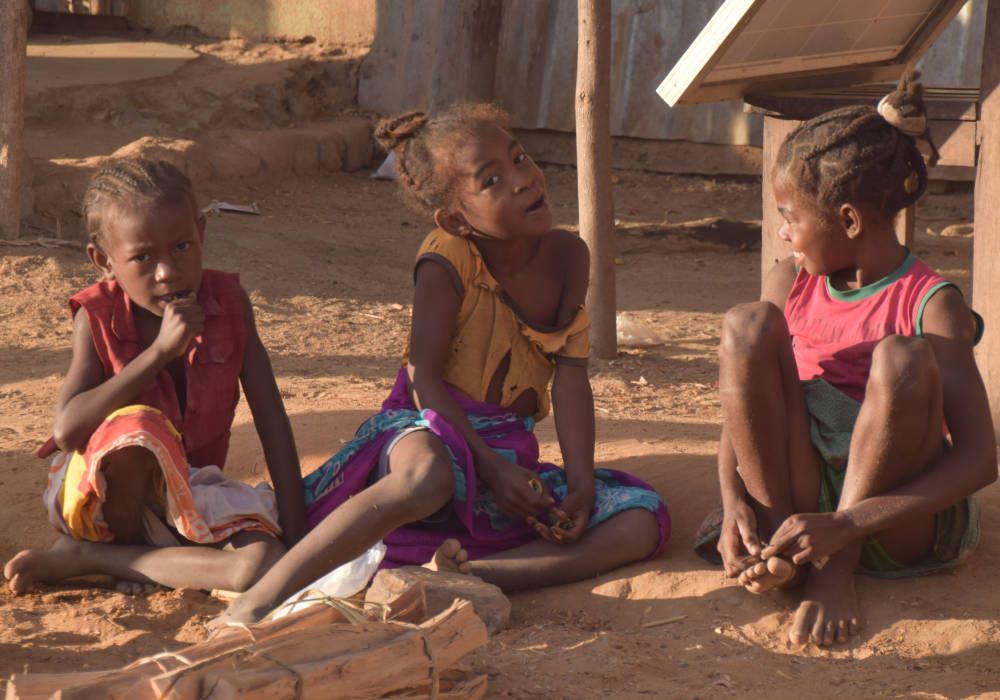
[343,582]
[633,333]
[386,171]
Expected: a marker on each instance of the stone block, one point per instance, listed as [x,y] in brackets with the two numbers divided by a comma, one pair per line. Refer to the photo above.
[442,588]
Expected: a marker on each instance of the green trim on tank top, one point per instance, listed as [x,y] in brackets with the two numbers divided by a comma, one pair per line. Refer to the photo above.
[852,295]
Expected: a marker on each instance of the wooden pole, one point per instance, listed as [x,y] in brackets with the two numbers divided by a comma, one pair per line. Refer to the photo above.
[772,248]
[13,51]
[593,162]
[986,246]
[906,226]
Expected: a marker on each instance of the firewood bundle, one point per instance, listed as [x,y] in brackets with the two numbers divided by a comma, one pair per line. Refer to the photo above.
[314,653]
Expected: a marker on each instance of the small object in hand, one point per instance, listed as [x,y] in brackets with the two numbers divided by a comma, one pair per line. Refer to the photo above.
[536,486]
[565,524]
[820,563]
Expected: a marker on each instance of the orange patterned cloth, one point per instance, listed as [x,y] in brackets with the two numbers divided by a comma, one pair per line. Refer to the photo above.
[201,505]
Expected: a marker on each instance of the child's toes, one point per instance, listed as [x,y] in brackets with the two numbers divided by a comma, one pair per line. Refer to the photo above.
[843,631]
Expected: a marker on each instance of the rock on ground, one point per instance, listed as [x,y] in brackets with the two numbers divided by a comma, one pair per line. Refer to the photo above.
[442,588]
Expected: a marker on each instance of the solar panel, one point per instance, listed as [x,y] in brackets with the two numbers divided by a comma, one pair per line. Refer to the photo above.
[761,45]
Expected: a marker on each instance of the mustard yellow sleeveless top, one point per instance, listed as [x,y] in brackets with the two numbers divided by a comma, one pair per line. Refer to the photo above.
[488,328]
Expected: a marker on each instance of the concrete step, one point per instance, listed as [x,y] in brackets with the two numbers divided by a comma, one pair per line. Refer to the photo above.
[213,160]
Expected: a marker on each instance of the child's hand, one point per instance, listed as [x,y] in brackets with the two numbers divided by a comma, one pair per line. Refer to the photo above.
[518,491]
[183,319]
[569,519]
[739,534]
[811,537]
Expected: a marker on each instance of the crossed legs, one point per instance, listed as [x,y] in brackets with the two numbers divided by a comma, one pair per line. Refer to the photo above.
[132,476]
[419,483]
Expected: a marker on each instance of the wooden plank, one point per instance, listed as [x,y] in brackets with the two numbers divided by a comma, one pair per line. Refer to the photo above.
[13,52]
[986,246]
[706,50]
[772,248]
[840,78]
[593,156]
[905,226]
[956,142]
[942,104]
[706,72]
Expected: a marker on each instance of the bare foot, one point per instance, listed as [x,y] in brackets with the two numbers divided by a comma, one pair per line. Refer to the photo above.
[450,556]
[828,612]
[64,559]
[241,612]
[136,588]
[765,575]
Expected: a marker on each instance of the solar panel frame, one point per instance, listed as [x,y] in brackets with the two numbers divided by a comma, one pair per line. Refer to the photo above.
[762,46]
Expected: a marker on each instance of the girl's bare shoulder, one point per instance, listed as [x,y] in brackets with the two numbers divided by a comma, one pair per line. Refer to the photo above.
[568,247]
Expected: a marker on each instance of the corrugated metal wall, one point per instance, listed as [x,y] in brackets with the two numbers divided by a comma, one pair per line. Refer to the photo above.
[425,57]
[536,69]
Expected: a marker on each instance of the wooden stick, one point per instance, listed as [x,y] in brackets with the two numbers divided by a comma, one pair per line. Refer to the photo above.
[347,662]
[593,162]
[409,606]
[13,56]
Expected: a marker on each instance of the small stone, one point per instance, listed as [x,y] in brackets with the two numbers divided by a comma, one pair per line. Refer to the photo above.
[442,588]
[957,231]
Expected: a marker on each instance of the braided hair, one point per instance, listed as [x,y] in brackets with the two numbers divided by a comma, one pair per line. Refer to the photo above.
[131,182]
[424,147]
[863,154]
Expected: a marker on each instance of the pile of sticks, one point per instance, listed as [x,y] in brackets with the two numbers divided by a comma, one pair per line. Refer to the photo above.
[313,653]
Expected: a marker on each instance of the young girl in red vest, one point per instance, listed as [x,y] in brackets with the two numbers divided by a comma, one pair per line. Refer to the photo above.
[836,385]
[160,348]
[449,471]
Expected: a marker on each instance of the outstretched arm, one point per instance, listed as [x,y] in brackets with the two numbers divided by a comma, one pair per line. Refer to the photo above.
[275,432]
[85,399]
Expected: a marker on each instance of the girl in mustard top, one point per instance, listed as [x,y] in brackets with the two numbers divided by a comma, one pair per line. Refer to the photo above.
[448,473]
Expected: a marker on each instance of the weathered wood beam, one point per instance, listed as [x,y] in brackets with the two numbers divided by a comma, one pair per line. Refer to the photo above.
[13,52]
[772,248]
[593,161]
[986,248]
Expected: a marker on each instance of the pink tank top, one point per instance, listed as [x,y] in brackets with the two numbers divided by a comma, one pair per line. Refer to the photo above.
[834,333]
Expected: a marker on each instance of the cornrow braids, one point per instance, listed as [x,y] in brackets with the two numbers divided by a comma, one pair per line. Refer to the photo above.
[132,182]
[424,144]
[862,154]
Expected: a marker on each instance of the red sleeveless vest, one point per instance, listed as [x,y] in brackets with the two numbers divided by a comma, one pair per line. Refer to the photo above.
[212,366]
[835,333]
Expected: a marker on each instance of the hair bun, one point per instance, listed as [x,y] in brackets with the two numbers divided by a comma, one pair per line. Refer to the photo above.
[913,124]
[904,107]
[393,132]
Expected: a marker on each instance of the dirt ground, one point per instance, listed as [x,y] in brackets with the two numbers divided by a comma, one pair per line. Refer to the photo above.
[328,267]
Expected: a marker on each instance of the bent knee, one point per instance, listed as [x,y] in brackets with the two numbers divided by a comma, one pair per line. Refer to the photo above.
[425,473]
[749,327]
[904,366]
[637,532]
[252,561]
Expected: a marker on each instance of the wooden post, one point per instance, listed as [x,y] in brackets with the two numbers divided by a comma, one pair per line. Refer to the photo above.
[593,162]
[905,226]
[772,248]
[13,51]
[986,246]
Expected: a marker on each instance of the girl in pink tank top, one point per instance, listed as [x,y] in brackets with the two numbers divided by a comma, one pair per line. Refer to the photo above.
[836,385]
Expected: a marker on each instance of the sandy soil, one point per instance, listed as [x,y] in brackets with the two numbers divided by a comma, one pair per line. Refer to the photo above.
[327,266]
